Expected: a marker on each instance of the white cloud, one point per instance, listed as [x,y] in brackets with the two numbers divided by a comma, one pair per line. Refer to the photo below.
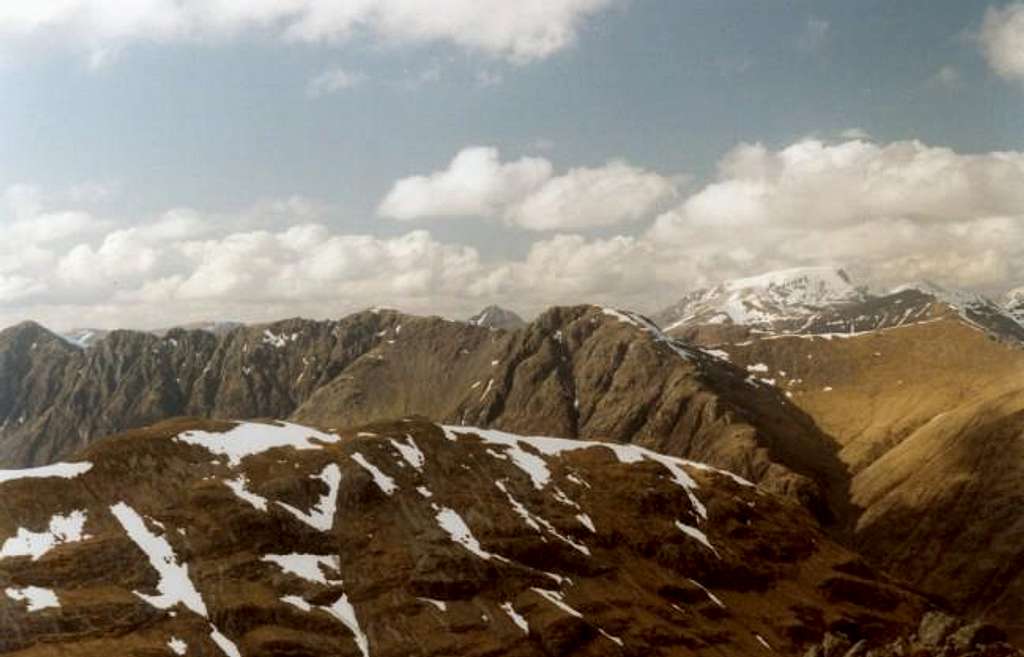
[613,194]
[571,269]
[814,34]
[332,81]
[476,183]
[525,193]
[489,78]
[856,133]
[1002,39]
[903,209]
[947,77]
[898,211]
[522,31]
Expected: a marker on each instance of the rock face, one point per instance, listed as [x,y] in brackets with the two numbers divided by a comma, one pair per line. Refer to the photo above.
[938,635]
[497,317]
[581,372]
[406,538]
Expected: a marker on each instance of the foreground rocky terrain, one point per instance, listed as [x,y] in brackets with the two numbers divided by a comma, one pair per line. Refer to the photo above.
[406,538]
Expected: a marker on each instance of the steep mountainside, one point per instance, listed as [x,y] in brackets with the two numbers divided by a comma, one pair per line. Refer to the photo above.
[406,538]
[497,317]
[930,420]
[582,372]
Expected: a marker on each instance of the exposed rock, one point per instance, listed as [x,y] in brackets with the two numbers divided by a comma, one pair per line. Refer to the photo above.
[498,318]
[938,635]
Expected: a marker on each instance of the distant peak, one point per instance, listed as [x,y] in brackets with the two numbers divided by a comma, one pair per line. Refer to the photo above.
[824,277]
[497,317]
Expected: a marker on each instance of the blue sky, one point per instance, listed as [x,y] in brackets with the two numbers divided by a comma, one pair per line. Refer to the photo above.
[225,124]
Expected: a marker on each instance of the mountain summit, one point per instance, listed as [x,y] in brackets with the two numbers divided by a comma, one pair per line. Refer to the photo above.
[764,300]
[1015,304]
[825,301]
[497,317]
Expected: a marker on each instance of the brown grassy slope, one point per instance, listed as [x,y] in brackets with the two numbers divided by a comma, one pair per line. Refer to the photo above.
[931,422]
[871,391]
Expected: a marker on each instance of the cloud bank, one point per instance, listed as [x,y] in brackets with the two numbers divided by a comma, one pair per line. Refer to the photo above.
[1002,40]
[521,31]
[896,212]
[527,194]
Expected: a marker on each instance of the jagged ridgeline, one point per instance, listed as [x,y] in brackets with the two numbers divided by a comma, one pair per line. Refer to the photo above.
[581,372]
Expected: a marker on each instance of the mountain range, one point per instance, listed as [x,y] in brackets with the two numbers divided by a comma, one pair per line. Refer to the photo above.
[886,430]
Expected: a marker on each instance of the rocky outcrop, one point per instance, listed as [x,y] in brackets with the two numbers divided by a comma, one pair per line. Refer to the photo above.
[406,538]
[938,635]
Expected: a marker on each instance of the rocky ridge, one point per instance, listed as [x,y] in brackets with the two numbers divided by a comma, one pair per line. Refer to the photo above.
[407,538]
[825,301]
[582,372]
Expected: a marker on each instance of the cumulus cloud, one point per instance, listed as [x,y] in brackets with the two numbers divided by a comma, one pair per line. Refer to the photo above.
[476,183]
[904,210]
[332,81]
[521,32]
[947,77]
[896,211]
[814,34]
[526,193]
[1002,40]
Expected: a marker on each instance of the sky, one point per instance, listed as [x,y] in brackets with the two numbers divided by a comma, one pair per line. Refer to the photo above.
[169,161]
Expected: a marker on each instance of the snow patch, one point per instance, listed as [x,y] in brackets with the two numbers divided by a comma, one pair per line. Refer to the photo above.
[410,452]
[307,566]
[58,470]
[384,482]
[62,529]
[343,610]
[453,524]
[238,487]
[693,532]
[249,438]
[35,597]
[516,617]
[174,586]
[321,516]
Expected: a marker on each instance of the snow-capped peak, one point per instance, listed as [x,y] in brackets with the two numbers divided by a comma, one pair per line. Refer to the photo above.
[807,286]
[497,317]
[783,294]
[1015,303]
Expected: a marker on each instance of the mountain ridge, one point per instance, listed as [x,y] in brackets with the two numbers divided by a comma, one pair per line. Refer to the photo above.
[259,539]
